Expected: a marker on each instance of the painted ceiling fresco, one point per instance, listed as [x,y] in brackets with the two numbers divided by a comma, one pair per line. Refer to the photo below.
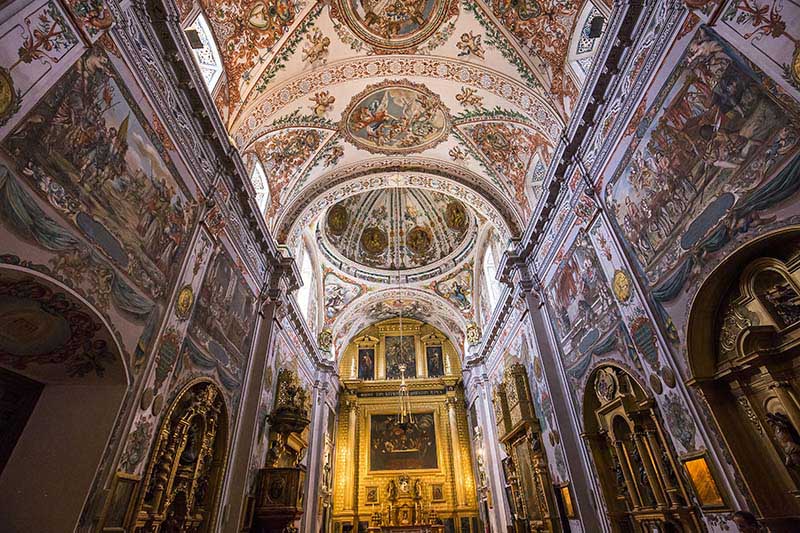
[392,134]
[397,229]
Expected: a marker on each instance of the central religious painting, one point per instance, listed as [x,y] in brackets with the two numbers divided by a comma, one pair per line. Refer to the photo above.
[396,117]
[393,447]
[393,25]
[400,350]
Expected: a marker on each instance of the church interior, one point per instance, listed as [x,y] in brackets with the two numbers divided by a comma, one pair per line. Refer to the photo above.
[399,266]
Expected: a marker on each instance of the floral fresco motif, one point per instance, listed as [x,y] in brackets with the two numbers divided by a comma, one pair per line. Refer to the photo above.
[49,335]
[94,16]
[543,29]
[397,228]
[241,42]
[509,149]
[284,154]
[719,149]
[583,307]
[396,117]
[46,36]
[93,156]
[338,294]
[770,27]
[222,326]
[394,25]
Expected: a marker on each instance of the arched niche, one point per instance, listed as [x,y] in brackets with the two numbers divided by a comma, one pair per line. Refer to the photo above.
[63,379]
[637,469]
[183,480]
[743,348]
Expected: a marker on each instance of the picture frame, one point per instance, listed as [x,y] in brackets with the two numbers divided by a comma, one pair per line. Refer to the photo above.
[372,494]
[437,492]
[565,495]
[704,481]
[121,499]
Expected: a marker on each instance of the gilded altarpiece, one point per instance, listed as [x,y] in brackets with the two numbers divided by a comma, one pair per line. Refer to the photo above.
[525,467]
[376,486]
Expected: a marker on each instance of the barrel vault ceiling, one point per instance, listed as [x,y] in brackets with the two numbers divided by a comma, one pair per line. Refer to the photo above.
[456,105]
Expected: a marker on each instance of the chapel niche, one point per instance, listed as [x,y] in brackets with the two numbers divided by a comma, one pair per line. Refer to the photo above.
[637,469]
[184,475]
[743,349]
[529,487]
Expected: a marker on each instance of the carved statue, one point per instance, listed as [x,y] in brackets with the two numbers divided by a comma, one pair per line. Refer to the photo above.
[787,438]
[417,491]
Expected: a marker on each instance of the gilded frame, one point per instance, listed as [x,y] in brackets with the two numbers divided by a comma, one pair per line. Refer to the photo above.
[565,495]
[704,480]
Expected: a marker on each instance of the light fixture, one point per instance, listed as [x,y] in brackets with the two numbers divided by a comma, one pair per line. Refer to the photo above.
[405,418]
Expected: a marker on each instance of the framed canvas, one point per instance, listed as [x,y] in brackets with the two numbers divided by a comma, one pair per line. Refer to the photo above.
[119,506]
[395,448]
[400,350]
[703,480]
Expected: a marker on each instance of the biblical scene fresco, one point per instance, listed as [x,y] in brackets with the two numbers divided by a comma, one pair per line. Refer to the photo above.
[396,117]
[222,326]
[397,228]
[400,351]
[95,159]
[338,294]
[395,448]
[582,306]
[509,149]
[718,151]
[393,26]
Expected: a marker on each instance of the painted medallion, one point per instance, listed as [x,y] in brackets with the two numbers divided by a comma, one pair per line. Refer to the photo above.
[392,25]
[396,117]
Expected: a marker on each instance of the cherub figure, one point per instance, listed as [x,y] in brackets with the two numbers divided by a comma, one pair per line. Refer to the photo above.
[316,48]
[470,45]
[322,102]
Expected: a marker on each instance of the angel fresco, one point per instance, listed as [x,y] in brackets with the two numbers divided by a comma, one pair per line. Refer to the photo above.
[392,18]
[399,117]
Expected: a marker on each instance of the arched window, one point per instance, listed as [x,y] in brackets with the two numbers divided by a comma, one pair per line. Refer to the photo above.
[584,43]
[259,180]
[205,51]
[307,275]
[490,271]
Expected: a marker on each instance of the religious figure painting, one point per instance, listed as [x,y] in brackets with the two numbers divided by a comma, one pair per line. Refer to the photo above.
[406,447]
[366,363]
[396,117]
[400,351]
[389,26]
[583,307]
[718,148]
[224,319]
[435,361]
[90,152]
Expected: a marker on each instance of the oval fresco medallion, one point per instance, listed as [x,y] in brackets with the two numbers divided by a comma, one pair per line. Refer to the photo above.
[396,117]
[337,219]
[394,26]
[419,240]
[374,241]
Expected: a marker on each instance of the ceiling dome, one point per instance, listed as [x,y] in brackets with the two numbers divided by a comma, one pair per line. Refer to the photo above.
[398,233]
